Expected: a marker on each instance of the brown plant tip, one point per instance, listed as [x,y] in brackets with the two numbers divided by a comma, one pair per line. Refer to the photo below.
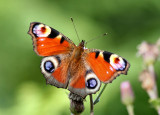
[149,52]
[76,103]
[147,80]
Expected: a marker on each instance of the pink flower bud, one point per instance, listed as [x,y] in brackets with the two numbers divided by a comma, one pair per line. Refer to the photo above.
[127,96]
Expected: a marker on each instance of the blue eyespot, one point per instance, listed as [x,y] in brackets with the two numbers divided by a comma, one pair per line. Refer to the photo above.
[91,83]
[49,66]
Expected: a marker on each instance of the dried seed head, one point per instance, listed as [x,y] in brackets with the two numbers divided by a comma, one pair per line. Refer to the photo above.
[76,103]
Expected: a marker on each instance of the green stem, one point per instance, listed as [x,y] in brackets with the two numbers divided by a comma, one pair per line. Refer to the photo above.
[130,109]
[97,98]
[91,105]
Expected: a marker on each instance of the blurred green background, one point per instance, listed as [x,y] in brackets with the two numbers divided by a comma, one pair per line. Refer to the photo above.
[23,90]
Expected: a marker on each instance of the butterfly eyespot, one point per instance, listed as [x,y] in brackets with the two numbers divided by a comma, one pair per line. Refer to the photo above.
[117,62]
[41,30]
[91,83]
[49,66]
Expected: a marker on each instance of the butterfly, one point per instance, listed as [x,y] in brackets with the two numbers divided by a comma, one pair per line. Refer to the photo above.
[77,68]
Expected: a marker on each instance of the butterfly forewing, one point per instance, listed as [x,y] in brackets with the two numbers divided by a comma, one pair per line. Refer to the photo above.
[48,41]
[107,66]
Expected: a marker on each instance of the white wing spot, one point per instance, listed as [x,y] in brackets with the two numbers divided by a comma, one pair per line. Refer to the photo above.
[42,39]
[107,72]
[111,68]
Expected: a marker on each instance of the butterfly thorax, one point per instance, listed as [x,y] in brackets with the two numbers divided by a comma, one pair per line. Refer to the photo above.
[75,60]
[77,52]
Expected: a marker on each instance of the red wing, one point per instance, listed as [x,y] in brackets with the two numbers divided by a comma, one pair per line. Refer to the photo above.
[55,70]
[84,81]
[48,41]
[96,67]
[79,83]
[107,66]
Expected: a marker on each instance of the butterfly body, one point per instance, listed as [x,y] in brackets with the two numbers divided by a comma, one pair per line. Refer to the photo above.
[66,65]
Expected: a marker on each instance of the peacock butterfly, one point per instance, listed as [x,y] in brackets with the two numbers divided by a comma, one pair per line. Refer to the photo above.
[77,68]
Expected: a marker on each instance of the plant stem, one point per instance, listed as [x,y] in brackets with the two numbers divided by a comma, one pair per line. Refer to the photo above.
[130,109]
[97,98]
[91,105]
[151,70]
[154,92]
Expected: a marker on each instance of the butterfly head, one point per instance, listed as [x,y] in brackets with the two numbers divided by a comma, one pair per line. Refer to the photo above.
[82,43]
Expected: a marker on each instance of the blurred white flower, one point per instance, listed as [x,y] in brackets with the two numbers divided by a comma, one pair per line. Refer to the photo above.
[147,80]
[149,52]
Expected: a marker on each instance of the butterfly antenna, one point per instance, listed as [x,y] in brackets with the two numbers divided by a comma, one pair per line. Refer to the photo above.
[96,37]
[75,29]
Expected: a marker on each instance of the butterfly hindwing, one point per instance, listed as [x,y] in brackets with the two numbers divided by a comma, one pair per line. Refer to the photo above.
[55,70]
[48,41]
[85,81]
